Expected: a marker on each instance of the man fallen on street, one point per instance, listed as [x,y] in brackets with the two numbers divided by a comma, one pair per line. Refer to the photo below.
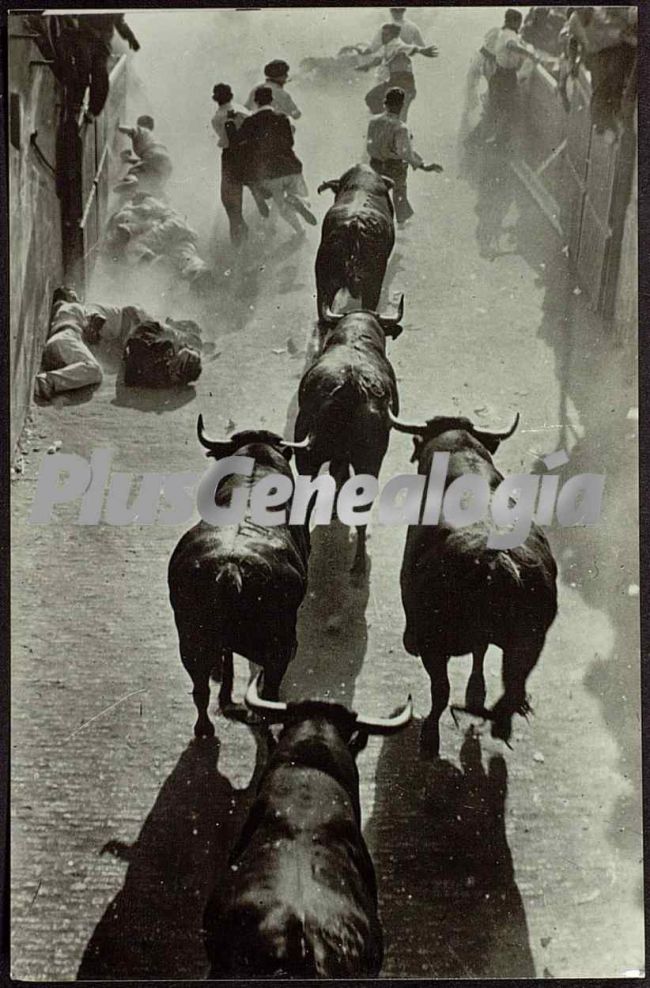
[152,166]
[391,151]
[69,363]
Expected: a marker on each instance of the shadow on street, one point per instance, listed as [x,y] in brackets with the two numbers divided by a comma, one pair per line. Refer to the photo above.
[603,440]
[152,928]
[450,906]
[332,629]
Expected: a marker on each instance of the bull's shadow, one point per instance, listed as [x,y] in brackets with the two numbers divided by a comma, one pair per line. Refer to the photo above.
[152,928]
[450,906]
[332,629]
[596,373]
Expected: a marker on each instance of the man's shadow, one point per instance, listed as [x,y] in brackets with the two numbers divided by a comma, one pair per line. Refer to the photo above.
[496,185]
[449,902]
[152,928]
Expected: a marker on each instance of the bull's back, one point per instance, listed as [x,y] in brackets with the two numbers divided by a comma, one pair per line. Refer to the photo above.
[455,590]
[303,888]
[243,584]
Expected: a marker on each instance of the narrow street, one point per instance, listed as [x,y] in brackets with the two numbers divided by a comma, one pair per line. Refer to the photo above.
[491,862]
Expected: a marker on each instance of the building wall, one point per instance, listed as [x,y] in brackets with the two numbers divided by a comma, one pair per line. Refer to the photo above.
[627,295]
[37,255]
[34,220]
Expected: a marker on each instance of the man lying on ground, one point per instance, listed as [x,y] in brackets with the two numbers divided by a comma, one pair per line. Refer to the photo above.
[68,362]
[147,231]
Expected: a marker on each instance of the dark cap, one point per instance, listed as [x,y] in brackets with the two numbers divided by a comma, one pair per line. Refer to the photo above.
[222,93]
[277,69]
[514,17]
[263,95]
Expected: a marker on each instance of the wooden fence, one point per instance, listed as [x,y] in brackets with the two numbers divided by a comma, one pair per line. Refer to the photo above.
[583,185]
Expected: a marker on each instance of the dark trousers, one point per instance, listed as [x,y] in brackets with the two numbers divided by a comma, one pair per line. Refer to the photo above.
[609,70]
[405,81]
[397,171]
[503,89]
[232,193]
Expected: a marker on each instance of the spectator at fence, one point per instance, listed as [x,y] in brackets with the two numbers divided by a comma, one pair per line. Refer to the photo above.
[607,40]
[81,46]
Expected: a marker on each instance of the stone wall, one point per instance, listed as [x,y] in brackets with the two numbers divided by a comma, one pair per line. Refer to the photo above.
[35,219]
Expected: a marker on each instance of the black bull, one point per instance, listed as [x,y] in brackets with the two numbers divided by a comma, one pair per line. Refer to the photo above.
[344,399]
[356,240]
[460,595]
[238,588]
[301,898]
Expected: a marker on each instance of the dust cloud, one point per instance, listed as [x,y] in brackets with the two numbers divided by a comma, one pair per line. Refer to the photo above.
[184,53]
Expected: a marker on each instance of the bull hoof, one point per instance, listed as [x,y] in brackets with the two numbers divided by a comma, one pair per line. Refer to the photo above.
[204,729]
[502,729]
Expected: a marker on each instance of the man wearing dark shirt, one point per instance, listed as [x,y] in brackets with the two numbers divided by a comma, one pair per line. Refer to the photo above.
[267,158]
[95,34]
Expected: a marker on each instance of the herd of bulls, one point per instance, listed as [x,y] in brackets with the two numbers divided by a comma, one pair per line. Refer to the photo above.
[302,896]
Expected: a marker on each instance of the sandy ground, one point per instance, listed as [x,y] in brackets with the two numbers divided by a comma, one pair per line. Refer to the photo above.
[491,863]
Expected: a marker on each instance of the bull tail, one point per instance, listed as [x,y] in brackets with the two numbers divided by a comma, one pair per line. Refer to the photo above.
[230,574]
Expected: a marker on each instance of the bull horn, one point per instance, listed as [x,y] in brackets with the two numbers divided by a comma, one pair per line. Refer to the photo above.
[303,444]
[394,320]
[387,725]
[399,426]
[255,701]
[214,445]
[498,435]
[329,316]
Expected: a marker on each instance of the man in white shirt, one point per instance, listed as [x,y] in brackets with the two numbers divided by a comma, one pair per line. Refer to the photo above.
[391,152]
[509,53]
[68,362]
[395,69]
[276,77]
[410,33]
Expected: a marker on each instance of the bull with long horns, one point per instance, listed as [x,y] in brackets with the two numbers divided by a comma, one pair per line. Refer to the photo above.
[356,240]
[238,588]
[344,399]
[301,900]
[460,596]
